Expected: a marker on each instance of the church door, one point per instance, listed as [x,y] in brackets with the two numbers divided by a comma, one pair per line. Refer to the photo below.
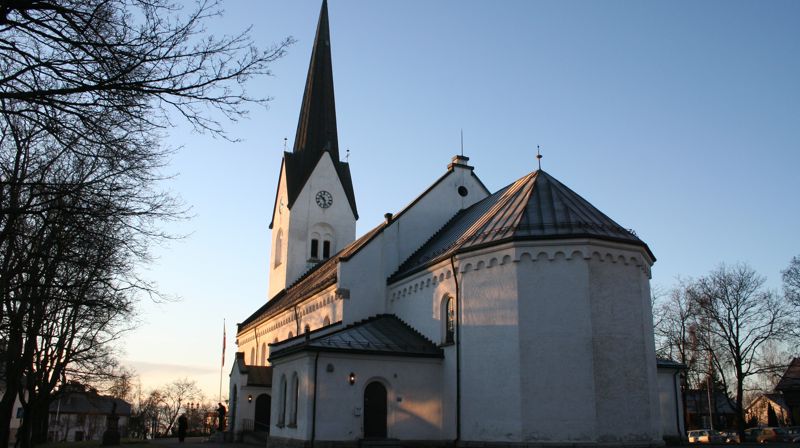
[375,411]
[263,403]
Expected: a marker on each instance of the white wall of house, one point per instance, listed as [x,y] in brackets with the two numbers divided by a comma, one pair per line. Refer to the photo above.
[414,404]
[671,404]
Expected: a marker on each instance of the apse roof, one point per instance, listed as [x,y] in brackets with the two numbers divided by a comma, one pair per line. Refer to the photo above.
[537,206]
[383,334]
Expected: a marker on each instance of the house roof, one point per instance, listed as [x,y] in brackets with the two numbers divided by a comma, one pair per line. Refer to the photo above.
[666,363]
[537,206]
[88,403]
[383,334]
[791,378]
[316,126]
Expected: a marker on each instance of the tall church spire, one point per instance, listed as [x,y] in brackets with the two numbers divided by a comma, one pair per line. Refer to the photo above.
[316,129]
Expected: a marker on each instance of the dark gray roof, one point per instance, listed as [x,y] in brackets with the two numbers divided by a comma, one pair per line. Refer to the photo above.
[88,403]
[537,206]
[316,127]
[384,334]
[791,378]
[665,363]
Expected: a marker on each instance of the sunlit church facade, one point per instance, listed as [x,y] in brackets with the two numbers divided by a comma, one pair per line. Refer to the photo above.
[469,317]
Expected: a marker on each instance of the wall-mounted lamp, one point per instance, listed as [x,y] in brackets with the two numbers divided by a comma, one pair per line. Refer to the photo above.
[249,398]
[352,378]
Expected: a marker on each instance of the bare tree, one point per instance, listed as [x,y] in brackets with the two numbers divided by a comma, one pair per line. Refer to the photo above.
[676,328]
[742,319]
[87,88]
[176,396]
[791,281]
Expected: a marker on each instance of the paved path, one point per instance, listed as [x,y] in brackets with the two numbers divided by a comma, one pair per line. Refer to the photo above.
[197,442]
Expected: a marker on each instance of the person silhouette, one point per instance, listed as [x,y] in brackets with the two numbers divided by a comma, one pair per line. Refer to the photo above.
[221,417]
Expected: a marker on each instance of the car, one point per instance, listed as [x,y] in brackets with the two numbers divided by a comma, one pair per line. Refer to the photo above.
[768,435]
[705,436]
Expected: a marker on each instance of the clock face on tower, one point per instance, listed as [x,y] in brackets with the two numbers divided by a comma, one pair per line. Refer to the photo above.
[324,199]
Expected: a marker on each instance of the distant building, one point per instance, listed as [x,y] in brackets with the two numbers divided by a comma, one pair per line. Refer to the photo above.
[714,411]
[768,410]
[508,318]
[78,414]
[16,417]
[789,386]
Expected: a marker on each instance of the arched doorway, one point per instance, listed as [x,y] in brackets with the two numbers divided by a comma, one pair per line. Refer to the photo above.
[375,411]
[263,404]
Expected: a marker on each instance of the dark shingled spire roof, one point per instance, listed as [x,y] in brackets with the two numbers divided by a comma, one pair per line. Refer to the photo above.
[537,206]
[316,128]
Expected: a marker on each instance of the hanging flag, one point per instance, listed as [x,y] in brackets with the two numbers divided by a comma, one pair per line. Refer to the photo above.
[223,342]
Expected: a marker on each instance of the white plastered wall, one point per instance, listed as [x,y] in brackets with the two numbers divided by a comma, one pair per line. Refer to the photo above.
[305,216]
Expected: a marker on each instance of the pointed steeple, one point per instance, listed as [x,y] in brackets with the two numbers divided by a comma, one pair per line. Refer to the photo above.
[316,129]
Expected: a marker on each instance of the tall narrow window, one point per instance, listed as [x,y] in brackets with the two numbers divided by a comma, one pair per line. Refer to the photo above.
[282,414]
[264,354]
[314,249]
[450,321]
[295,400]
[253,360]
[326,249]
[279,248]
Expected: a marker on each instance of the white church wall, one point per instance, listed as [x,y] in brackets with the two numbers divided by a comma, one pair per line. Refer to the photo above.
[282,413]
[278,247]
[490,345]
[624,358]
[555,346]
[305,216]
[361,277]
[670,405]
[414,407]
[418,221]
[364,274]
[314,311]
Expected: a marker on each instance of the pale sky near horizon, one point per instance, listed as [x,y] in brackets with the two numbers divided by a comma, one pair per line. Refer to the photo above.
[680,120]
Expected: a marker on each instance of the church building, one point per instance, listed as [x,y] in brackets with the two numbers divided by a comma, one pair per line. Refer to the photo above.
[470,317]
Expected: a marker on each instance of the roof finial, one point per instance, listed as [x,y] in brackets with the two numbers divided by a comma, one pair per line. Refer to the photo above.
[539,157]
[284,143]
[462,142]
[347,156]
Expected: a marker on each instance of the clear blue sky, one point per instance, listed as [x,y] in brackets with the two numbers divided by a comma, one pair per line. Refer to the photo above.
[680,120]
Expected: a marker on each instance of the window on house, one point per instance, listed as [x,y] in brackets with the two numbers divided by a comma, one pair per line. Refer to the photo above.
[326,249]
[279,248]
[314,249]
[253,360]
[282,414]
[450,321]
[326,321]
[295,399]
[307,328]
[291,335]
[264,354]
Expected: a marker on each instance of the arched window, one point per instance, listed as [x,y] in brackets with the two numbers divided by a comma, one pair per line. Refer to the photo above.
[295,398]
[291,335]
[326,321]
[307,328]
[449,319]
[321,241]
[282,413]
[275,341]
[253,360]
[279,248]
[264,354]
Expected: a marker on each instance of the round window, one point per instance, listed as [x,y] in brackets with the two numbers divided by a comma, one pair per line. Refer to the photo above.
[462,190]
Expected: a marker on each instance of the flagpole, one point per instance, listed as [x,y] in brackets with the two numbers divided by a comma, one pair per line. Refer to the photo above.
[223,360]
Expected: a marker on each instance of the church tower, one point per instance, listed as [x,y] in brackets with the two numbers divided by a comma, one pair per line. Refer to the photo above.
[315,214]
